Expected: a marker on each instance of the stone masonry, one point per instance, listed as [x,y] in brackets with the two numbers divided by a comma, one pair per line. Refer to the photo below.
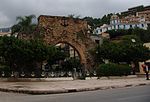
[68,30]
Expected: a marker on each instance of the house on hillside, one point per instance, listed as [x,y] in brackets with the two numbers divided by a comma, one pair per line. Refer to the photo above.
[140,20]
[5,31]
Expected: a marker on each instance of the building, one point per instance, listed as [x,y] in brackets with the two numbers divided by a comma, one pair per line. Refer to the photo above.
[73,53]
[69,50]
[98,39]
[134,10]
[144,15]
[5,31]
[140,20]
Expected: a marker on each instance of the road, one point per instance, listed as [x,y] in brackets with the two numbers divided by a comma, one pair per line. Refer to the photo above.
[132,94]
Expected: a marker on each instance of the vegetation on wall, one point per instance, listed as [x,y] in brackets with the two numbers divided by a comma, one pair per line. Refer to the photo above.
[80,35]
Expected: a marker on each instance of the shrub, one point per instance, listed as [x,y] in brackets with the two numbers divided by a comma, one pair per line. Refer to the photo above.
[113,69]
[6,70]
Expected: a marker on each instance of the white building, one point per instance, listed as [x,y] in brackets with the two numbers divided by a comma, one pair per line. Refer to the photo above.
[141,20]
[5,31]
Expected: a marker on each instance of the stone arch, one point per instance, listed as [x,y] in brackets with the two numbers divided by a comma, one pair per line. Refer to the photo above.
[68,30]
[79,49]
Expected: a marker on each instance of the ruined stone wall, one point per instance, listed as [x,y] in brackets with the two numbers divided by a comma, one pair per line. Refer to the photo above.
[68,30]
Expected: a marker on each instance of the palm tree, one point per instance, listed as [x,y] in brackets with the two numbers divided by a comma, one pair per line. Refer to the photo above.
[24,25]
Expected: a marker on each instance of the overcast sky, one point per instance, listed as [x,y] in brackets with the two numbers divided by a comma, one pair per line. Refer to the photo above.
[9,9]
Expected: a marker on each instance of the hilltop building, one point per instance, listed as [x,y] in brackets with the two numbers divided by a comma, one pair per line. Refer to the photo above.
[140,20]
[134,10]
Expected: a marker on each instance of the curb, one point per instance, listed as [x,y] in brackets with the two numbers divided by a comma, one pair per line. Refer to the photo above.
[71,90]
[34,79]
[60,79]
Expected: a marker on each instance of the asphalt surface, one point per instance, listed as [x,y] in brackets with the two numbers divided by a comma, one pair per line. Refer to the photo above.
[129,94]
[68,86]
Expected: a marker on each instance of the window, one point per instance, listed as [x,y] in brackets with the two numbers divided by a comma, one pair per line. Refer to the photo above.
[96,31]
[118,26]
[100,30]
[114,27]
[130,26]
[112,22]
[148,25]
[124,26]
[142,25]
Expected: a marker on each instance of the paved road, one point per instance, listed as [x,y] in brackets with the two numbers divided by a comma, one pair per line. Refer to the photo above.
[132,94]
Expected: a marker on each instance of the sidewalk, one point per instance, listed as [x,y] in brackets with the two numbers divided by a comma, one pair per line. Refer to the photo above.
[65,86]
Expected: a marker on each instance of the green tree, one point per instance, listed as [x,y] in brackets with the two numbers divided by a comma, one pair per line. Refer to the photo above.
[93,22]
[57,56]
[118,33]
[22,55]
[71,63]
[106,19]
[24,25]
[128,49]
[144,35]
[74,16]
[133,49]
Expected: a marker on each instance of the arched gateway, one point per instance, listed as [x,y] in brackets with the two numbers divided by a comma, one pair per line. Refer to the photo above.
[68,30]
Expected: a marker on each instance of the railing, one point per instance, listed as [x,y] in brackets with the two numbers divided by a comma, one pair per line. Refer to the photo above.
[43,74]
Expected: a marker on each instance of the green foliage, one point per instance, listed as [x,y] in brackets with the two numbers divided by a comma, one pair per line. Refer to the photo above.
[24,55]
[94,22]
[71,63]
[58,55]
[24,25]
[144,35]
[112,69]
[119,32]
[123,51]
[133,49]
[5,70]
[106,19]
[74,16]
[109,50]
[40,51]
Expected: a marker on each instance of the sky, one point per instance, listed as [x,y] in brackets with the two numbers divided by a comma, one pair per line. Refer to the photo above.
[10,9]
